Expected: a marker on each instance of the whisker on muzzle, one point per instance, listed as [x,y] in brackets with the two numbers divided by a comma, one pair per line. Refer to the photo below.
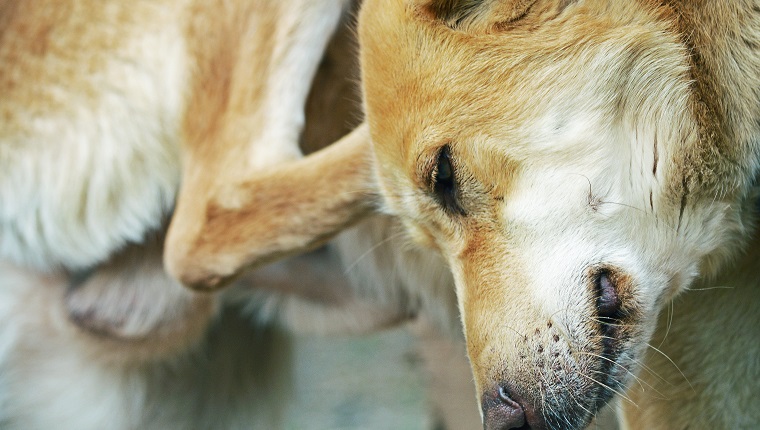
[623,396]
[640,381]
[674,365]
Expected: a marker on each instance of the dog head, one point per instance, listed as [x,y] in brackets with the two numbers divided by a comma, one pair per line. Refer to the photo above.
[547,149]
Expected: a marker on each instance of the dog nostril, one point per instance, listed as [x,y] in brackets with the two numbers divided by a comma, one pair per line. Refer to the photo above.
[504,395]
[607,299]
[501,412]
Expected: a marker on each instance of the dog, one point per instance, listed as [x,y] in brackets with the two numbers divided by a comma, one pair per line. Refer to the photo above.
[580,165]
[589,172]
[120,121]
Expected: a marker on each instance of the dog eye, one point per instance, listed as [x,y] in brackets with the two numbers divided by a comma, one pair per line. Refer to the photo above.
[445,183]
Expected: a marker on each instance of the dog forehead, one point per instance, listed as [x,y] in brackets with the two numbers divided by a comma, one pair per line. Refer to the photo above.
[417,72]
[425,83]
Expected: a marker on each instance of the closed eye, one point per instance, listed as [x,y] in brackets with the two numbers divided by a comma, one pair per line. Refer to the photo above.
[444,182]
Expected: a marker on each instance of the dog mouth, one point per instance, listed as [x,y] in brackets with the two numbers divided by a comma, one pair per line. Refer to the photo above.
[580,409]
[598,376]
[568,384]
[559,372]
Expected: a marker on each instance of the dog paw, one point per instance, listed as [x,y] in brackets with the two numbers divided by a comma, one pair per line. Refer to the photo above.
[131,299]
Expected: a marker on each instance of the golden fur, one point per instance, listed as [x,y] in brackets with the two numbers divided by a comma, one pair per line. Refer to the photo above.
[599,159]
[108,109]
[580,165]
[590,139]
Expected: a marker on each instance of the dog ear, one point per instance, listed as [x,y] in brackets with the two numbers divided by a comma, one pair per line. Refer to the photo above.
[476,13]
[487,15]
[291,208]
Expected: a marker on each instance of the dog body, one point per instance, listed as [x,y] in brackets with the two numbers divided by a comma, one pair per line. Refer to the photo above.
[702,356]
[108,110]
[72,199]
[127,82]
[580,164]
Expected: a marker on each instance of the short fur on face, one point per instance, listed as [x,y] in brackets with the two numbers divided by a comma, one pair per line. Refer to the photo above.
[597,170]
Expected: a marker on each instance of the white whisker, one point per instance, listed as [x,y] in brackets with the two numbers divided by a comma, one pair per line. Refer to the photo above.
[674,365]
[609,388]
[370,250]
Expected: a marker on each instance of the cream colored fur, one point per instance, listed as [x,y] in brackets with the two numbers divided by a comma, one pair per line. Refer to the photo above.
[55,376]
[583,135]
[600,159]
[108,109]
[710,334]
[588,140]
[107,106]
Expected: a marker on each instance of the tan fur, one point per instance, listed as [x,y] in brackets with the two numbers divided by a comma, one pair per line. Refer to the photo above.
[101,101]
[275,216]
[576,130]
[237,127]
[587,137]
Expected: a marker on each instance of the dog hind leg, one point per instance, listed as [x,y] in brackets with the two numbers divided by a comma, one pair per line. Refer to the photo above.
[130,298]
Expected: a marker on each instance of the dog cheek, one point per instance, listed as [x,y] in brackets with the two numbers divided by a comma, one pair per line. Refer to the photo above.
[419,235]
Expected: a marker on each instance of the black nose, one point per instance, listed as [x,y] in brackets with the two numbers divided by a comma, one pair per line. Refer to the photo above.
[608,302]
[500,412]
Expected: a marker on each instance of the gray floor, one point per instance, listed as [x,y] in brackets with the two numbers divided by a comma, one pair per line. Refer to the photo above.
[368,382]
[407,378]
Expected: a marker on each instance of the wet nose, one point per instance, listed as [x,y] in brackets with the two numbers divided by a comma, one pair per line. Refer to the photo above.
[501,412]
